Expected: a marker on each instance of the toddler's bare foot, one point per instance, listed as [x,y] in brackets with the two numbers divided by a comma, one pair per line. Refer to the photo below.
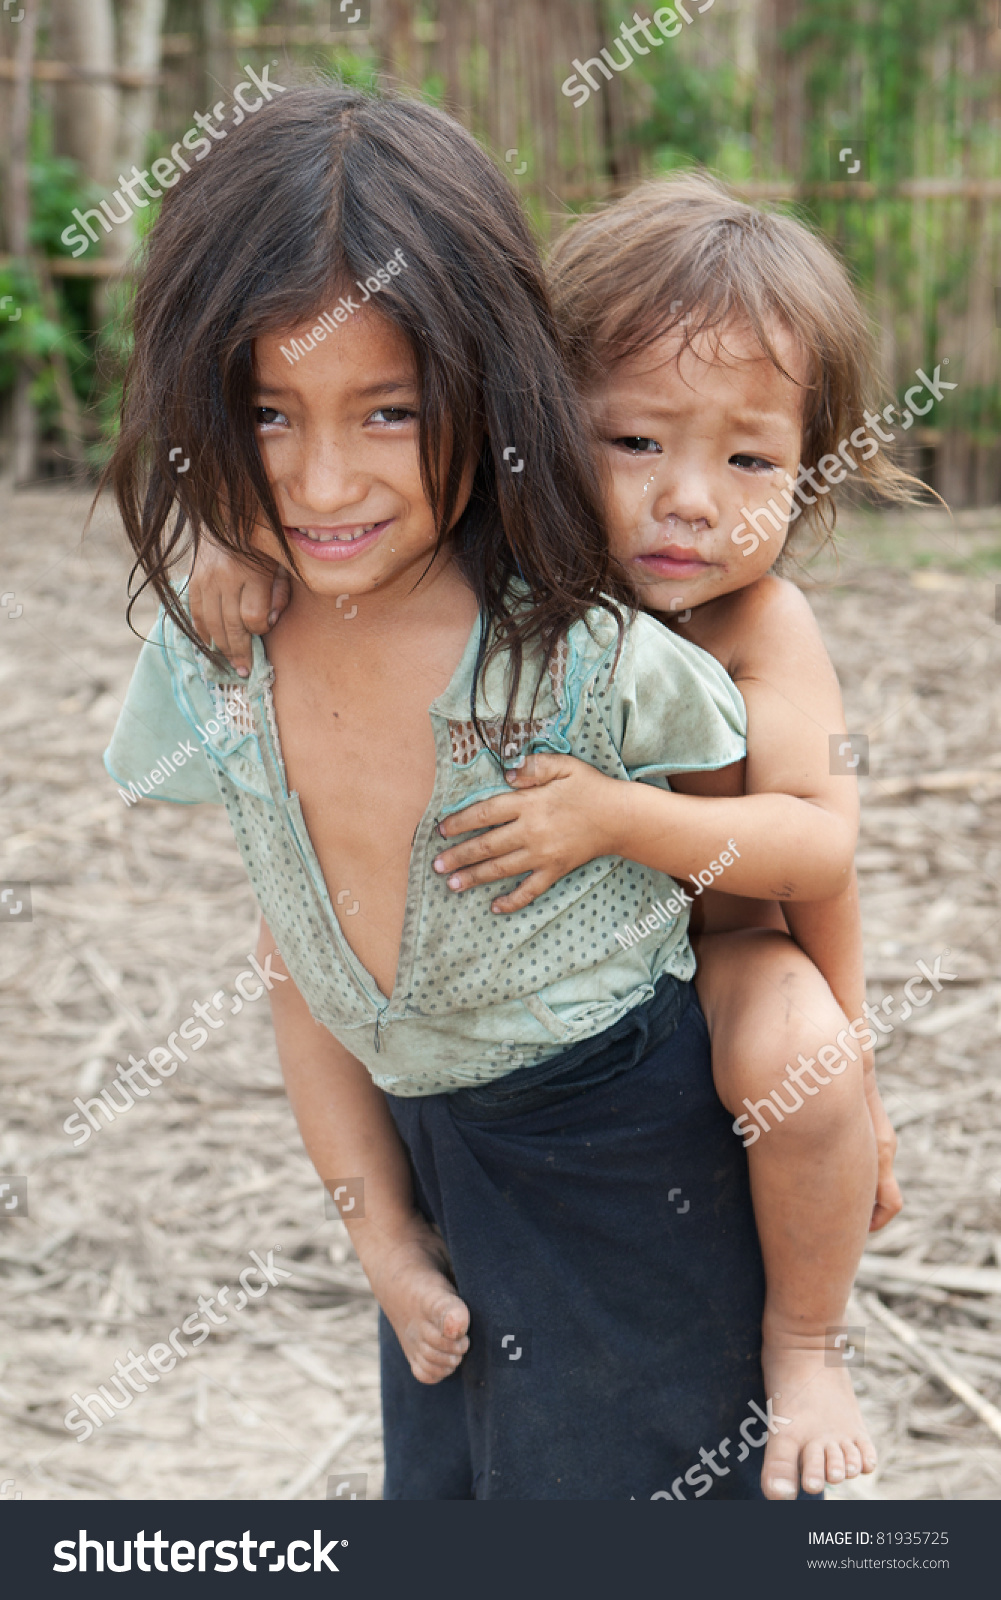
[825,1438]
[409,1280]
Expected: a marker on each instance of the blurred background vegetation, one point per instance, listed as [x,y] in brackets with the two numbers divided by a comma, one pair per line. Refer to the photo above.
[764,92]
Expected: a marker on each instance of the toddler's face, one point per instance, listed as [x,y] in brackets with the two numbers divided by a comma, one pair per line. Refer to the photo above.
[338,435]
[691,444]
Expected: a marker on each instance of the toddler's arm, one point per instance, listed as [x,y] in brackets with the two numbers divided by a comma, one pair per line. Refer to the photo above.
[231,599]
[797,821]
[787,826]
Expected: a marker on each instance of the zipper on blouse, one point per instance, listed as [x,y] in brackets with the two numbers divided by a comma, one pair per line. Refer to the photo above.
[282,799]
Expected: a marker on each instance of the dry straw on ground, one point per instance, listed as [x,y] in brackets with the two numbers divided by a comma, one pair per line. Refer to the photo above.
[138,912]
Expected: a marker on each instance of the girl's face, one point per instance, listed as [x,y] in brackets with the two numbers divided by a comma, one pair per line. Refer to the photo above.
[338,435]
[692,444]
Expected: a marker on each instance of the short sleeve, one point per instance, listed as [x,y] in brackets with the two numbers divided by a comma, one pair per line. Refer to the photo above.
[672,708]
[156,752]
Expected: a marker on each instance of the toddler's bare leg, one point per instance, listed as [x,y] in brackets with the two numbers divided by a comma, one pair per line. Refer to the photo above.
[813,1178]
[349,1133]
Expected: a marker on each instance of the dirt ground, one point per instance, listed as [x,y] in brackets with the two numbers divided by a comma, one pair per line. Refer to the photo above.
[137,912]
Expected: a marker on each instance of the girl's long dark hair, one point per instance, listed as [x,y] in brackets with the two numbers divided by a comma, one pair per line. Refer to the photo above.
[320,187]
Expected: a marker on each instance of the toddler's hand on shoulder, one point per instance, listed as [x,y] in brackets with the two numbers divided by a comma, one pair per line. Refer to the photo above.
[232,599]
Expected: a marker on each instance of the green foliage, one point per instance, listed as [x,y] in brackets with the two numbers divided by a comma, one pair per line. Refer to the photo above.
[56,187]
[433,89]
[249,13]
[870,71]
[354,71]
[877,58]
[873,70]
[688,120]
[28,332]
[29,335]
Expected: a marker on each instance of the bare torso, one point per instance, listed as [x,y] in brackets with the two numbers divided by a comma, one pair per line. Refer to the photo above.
[351,699]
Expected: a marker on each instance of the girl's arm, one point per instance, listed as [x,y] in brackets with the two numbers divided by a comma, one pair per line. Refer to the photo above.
[343,1118]
[350,1135]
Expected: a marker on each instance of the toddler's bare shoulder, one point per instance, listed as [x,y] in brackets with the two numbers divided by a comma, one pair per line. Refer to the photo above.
[772,621]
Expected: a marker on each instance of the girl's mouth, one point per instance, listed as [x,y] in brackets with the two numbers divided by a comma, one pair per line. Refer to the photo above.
[673,562]
[338,542]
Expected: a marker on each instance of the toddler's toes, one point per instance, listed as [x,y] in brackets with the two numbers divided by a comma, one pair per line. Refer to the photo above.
[853,1458]
[835,1463]
[780,1470]
[436,1349]
[430,1365]
[448,1324]
[813,1467]
[424,1372]
[438,1361]
[455,1321]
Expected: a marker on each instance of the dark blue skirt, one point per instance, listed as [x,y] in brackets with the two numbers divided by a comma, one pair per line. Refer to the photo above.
[598,1216]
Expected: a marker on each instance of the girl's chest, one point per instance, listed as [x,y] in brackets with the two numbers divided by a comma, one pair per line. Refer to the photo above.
[359,751]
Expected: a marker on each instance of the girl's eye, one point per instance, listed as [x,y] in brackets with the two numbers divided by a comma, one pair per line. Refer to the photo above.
[752,463]
[267,416]
[636,445]
[391,414]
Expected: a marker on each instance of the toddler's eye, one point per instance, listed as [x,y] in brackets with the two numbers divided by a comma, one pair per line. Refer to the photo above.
[752,463]
[268,417]
[636,445]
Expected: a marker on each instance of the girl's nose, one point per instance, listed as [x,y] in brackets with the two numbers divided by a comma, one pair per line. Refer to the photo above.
[326,480]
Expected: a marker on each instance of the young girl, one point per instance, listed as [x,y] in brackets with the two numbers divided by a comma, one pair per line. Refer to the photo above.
[418,464]
[762,366]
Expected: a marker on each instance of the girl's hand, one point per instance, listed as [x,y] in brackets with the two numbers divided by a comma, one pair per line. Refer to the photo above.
[232,599]
[889,1200]
[561,813]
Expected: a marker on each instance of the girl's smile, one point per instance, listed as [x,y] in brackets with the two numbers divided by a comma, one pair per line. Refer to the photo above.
[339,441]
[338,543]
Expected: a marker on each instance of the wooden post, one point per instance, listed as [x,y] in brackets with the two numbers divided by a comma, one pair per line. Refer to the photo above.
[140,23]
[24,423]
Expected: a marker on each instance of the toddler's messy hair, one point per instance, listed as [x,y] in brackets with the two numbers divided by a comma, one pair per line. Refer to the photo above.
[682,255]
